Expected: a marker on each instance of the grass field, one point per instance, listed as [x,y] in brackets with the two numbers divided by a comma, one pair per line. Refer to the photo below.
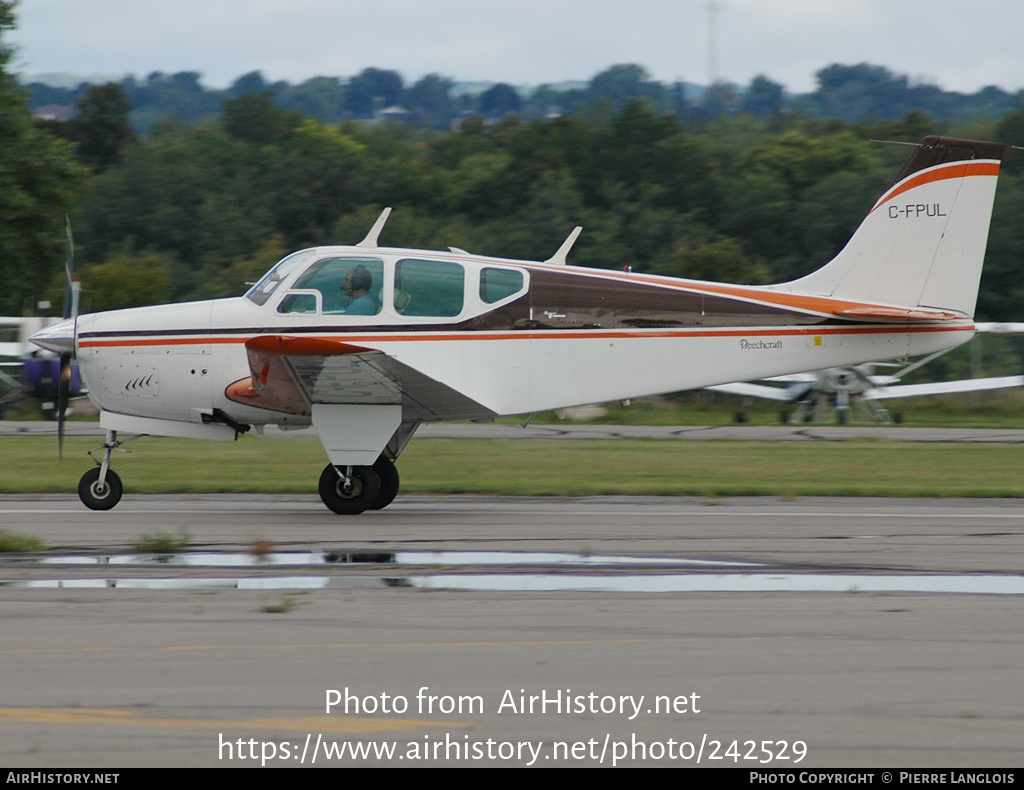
[543,468]
[995,409]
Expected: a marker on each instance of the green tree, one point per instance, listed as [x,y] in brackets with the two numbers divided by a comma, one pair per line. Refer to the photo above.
[103,126]
[625,82]
[500,100]
[39,181]
[319,176]
[126,281]
[763,98]
[371,90]
[256,119]
[430,101]
[234,280]
[720,261]
[252,82]
[321,97]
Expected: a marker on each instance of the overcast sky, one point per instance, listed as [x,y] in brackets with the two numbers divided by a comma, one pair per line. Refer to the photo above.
[958,45]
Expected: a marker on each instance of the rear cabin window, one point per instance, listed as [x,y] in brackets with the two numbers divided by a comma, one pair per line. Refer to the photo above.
[498,284]
[348,286]
[429,288]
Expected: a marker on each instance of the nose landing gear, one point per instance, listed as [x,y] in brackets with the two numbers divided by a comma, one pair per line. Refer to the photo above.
[100,488]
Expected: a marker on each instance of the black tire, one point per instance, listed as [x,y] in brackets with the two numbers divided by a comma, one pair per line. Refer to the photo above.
[365,485]
[95,498]
[389,483]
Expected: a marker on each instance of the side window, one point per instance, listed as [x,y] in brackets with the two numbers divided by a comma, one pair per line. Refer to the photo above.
[429,288]
[348,286]
[298,303]
[497,284]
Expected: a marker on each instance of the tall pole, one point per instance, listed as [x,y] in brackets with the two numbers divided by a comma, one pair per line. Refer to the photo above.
[712,9]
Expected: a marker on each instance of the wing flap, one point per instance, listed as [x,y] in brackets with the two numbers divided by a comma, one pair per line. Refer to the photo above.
[290,374]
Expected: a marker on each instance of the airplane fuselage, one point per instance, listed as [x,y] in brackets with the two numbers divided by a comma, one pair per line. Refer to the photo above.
[367,342]
[553,337]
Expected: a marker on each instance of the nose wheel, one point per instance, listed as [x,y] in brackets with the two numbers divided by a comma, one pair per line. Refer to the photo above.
[99,494]
[100,488]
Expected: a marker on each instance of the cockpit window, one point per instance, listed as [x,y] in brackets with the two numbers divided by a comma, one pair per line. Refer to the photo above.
[347,286]
[261,292]
[429,288]
[498,284]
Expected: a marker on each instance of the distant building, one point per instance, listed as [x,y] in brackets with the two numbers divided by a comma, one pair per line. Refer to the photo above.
[55,112]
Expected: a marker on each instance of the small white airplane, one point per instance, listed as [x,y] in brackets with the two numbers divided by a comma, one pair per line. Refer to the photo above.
[857,386]
[367,342]
[25,370]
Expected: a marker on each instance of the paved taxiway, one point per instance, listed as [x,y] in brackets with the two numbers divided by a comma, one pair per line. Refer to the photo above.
[123,676]
[773,433]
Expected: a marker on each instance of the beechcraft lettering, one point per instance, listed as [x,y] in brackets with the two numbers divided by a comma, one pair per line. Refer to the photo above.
[366,343]
[916,210]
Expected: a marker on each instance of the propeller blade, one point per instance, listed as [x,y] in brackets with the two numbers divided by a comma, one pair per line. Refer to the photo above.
[70,298]
[71,291]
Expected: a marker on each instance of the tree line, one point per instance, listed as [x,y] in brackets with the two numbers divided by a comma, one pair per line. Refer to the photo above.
[199,209]
[203,212]
[851,93]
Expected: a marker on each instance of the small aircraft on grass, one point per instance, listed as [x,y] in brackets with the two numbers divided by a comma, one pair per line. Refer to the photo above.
[857,387]
[367,342]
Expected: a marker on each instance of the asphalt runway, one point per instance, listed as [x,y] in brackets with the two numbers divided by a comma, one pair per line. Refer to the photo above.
[568,430]
[506,632]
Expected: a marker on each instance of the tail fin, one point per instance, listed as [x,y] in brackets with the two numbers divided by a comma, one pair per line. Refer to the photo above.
[923,243]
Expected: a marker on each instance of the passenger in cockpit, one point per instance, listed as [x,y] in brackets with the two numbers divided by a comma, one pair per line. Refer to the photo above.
[358,283]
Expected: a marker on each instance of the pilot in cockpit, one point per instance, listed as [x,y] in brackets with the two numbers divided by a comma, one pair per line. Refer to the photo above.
[358,283]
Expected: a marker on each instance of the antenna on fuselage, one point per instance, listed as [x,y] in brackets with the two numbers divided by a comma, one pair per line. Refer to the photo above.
[378,226]
[559,257]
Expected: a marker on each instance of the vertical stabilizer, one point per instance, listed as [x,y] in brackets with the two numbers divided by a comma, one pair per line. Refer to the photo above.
[923,243]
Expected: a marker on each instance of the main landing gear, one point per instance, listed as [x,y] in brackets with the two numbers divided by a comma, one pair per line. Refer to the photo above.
[100,488]
[350,490]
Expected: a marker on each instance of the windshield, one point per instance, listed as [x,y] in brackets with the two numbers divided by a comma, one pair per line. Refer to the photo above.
[260,292]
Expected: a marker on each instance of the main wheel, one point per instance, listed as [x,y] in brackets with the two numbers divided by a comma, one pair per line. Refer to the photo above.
[388,474]
[353,497]
[97,497]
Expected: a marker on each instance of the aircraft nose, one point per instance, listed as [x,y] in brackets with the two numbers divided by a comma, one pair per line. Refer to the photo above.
[58,338]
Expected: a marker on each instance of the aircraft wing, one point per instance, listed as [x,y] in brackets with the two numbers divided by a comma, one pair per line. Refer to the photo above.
[754,391]
[13,350]
[1000,328]
[290,374]
[944,387]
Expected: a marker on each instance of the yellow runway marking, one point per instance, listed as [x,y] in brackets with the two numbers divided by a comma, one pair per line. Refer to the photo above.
[124,718]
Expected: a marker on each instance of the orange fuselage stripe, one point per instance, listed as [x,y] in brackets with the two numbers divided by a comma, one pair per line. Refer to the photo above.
[348,339]
[931,176]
